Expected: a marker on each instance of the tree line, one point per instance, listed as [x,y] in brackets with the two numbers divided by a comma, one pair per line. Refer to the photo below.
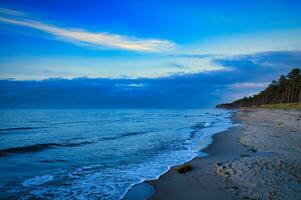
[287,89]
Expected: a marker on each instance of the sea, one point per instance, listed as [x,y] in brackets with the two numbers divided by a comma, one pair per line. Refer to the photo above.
[97,153]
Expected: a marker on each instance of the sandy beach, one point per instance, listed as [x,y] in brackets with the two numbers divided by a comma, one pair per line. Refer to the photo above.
[261,159]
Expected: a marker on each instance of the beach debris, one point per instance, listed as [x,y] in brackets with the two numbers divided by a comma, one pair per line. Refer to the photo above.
[184,168]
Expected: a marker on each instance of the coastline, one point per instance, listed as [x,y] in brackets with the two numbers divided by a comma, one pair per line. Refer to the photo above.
[201,178]
[143,190]
[256,149]
[147,189]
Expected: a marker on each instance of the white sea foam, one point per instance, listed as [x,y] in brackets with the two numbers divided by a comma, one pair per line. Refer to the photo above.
[37,180]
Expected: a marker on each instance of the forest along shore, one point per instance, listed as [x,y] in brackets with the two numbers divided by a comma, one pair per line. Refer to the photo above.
[259,160]
[286,90]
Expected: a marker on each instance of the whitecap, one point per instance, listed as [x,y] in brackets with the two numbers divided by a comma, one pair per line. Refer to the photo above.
[37,180]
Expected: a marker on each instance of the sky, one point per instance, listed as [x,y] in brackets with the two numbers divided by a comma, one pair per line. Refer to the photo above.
[154,54]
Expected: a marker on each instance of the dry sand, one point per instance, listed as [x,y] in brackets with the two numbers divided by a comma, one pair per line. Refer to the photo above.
[259,160]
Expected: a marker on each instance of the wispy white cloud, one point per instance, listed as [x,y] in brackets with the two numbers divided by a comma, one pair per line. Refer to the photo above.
[130,85]
[80,36]
[5,11]
[248,85]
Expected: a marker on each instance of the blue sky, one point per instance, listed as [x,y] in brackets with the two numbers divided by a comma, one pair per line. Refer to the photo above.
[142,42]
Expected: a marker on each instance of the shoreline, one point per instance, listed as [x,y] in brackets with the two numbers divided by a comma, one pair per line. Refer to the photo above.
[267,143]
[142,190]
[209,187]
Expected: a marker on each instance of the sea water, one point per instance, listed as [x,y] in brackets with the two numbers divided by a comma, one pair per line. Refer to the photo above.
[97,153]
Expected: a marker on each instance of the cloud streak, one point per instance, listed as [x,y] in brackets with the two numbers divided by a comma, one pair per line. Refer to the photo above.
[248,85]
[5,11]
[104,40]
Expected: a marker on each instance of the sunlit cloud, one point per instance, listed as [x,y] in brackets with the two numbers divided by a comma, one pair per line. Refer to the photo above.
[80,36]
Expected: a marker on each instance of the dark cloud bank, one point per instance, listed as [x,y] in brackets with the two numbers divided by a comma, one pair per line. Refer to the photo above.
[176,91]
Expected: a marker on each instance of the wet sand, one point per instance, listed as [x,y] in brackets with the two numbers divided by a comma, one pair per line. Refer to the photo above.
[259,160]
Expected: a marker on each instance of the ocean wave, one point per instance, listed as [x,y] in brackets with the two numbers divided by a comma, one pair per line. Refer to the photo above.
[172,142]
[128,134]
[19,128]
[54,161]
[38,180]
[44,146]
[73,122]
[196,128]
[99,182]
[39,147]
